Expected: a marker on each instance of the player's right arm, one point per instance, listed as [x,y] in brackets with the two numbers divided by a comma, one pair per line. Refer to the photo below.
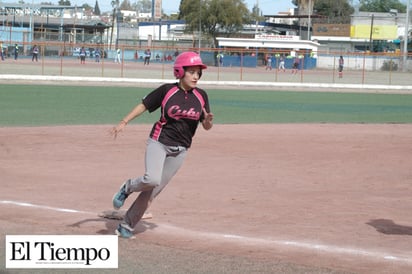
[135,112]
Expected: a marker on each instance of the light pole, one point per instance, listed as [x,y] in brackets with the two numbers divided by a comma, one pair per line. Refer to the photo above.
[200,24]
[118,14]
[406,37]
[309,18]
[257,17]
[371,35]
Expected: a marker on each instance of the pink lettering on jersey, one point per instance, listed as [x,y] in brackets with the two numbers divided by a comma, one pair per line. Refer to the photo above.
[177,113]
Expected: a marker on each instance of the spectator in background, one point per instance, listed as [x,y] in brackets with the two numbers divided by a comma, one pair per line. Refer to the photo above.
[340,69]
[35,53]
[295,67]
[219,57]
[16,51]
[82,55]
[269,62]
[147,56]
[97,55]
[1,51]
[117,58]
[282,63]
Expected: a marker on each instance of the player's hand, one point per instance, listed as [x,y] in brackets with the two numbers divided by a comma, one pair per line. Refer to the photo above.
[208,118]
[117,129]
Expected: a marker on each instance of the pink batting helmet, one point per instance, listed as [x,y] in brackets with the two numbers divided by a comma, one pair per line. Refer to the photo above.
[186,59]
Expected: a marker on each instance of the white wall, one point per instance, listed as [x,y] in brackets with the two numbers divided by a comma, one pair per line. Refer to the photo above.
[359,62]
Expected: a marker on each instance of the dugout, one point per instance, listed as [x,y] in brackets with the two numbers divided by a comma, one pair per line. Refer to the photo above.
[253,52]
[29,24]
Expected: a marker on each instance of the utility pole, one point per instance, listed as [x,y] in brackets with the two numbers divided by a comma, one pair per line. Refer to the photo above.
[406,37]
[309,18]
[371,35]
[257,22]
[200,24]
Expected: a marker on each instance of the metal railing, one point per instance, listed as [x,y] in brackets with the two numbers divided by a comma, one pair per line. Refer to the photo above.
[56,58]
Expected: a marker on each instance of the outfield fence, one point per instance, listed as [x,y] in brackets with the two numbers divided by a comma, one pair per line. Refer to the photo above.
[62,59]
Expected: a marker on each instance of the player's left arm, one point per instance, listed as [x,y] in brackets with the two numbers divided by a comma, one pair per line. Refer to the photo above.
[207,122]
[207,115]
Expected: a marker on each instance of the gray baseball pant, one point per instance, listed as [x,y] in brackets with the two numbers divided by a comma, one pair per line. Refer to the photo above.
[162,162]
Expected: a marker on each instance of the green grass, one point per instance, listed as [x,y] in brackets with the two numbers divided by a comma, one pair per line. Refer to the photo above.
[24,105]
[312,107]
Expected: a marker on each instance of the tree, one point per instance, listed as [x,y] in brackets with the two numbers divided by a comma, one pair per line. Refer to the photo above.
[256,14]
[87,7]
[214,16]
[97,9]
[143,6]
[336,11]
[125,5]
[381,5]
[64,3]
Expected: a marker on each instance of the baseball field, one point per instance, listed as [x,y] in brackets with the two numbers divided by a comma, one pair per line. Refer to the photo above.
[285,182]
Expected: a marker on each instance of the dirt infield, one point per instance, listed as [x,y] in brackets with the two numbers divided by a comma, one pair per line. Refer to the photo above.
[279,198]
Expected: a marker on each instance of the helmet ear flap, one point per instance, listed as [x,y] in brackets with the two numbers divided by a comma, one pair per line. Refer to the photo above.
[179,72]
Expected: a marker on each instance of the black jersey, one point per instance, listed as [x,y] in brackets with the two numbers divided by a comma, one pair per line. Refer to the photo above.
[181,112]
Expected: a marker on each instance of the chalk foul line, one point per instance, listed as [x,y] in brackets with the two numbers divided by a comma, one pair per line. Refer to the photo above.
[244,240]
[24,204]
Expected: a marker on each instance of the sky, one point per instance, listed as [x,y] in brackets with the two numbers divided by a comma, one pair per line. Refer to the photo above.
[268,7]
